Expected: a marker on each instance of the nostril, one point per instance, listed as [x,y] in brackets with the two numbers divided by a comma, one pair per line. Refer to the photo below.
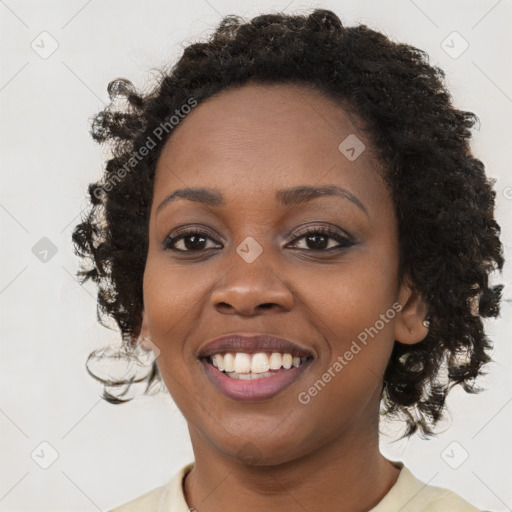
[224,306]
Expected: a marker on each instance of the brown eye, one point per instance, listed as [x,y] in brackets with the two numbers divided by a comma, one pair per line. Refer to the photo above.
[317,239]
[192,240]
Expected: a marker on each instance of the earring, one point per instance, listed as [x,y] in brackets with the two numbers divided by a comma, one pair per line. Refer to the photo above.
[146,343]
[426,323]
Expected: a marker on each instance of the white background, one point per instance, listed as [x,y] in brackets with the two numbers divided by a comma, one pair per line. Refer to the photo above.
[109,454]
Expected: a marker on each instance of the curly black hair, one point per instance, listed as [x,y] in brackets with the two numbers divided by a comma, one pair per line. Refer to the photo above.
[448,237]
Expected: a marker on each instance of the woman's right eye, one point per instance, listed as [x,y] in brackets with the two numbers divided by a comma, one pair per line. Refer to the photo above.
[192,240]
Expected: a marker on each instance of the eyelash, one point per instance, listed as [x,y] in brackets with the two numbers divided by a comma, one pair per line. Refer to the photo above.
[343,240]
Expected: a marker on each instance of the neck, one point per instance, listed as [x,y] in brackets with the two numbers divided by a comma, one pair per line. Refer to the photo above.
[348,470]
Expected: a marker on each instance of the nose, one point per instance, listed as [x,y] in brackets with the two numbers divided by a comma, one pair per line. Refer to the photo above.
[251,289]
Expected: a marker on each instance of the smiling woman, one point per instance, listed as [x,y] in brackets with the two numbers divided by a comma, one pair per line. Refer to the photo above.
[308,243]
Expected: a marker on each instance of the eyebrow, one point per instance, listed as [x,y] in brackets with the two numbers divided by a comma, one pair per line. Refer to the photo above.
[292,196]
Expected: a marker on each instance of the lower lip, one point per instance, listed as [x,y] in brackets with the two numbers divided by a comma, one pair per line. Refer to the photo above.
[252,390]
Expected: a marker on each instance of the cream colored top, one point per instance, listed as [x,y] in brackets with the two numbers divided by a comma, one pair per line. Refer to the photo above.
[407,495]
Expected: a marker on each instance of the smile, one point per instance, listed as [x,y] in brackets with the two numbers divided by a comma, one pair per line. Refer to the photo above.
[257,376]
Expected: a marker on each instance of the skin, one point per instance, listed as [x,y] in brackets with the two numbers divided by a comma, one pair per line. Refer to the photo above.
[277,454]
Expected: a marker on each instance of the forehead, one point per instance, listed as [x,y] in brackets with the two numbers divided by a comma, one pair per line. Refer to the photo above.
[261,137]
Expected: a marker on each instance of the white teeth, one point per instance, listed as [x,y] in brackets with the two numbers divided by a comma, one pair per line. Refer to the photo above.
[287,361]
[242,363]
[229,362]
[276,361]
[259,363]
[220,361]
[250,376]
[249,366]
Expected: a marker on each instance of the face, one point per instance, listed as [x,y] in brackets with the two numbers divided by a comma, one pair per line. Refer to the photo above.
[321,290]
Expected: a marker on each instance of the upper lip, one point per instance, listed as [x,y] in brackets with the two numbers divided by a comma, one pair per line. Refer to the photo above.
[252,344]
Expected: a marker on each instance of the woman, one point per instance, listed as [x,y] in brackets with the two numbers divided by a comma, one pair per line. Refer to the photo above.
[293,223]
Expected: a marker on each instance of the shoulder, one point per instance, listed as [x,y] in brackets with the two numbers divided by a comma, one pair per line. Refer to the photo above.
[164,498]
[148,502]
[409,494]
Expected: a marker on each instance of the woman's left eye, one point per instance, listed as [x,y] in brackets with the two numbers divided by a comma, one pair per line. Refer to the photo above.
[319,239]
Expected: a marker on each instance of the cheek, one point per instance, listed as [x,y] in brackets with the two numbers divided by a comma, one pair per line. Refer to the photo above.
[348,298]
[173,295]
[171,312]
[352,307]
[173,301]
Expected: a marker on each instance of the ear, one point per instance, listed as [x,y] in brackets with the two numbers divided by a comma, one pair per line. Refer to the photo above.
[144,333]
[409,326]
